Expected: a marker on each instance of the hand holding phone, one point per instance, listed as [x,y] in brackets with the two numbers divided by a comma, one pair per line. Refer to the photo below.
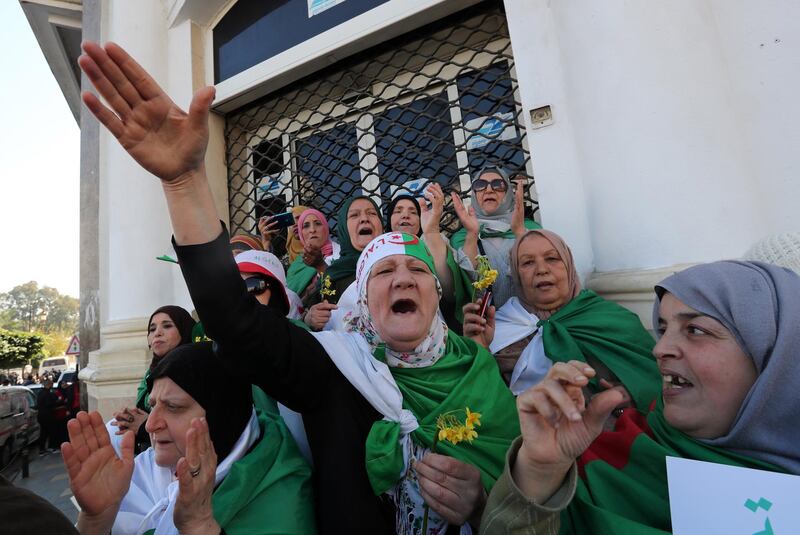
[283,220]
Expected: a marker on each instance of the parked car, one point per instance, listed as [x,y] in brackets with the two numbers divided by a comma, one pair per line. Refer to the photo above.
[18,424]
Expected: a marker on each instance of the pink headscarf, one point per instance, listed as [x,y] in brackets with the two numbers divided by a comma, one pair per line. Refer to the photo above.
[327,246]
[573,280]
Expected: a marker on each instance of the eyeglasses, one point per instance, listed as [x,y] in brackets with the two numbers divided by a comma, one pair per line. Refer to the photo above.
[497,184]
[257,285]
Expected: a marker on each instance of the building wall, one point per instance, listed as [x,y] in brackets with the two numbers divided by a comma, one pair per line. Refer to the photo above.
[676,118]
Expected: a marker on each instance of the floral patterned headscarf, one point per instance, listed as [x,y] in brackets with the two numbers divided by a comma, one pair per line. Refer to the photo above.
[432,347]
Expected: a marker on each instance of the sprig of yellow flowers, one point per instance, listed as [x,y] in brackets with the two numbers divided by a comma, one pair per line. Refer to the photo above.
[486,274]
[326,289]
[453,430]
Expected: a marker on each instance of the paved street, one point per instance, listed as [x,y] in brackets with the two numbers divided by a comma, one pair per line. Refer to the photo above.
[48,479]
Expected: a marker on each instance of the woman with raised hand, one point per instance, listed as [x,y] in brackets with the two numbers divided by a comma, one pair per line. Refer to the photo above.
[370,398]
[727,339]
[358,223]
[318,252]
[216,462]
[405,214]
[494,219]
[552,320]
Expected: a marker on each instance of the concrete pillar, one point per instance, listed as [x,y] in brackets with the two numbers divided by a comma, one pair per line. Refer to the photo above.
[134,228]
[89,328]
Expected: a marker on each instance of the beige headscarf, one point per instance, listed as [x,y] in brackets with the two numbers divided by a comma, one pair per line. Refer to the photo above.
[573,280]
[293,245]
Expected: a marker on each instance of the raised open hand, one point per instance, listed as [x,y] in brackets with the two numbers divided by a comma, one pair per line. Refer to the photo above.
[98,478]
[518,215]
[467,216]
[431,217]
[159,135]
[196,473]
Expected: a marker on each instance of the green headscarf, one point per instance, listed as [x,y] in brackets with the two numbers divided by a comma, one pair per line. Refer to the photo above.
[345,265]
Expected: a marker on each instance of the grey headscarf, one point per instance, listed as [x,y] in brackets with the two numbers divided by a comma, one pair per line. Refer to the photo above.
[501,218]
[760,305]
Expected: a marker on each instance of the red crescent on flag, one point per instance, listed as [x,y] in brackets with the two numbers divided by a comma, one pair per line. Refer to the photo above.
[397,239]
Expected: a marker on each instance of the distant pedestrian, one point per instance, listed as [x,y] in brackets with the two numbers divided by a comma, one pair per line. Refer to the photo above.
[45,403]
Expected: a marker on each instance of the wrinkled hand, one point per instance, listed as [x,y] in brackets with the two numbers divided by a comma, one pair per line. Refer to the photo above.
[312,256]
[318,315]
[451,488]
[479,329]
[193,512]
[431,217]
[129,418]
[160,136]
[518,215]
[557,426]
[467,216]
[98,478]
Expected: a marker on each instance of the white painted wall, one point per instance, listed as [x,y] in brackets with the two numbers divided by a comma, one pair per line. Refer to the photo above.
[673,128]
[761,47]
[134,223]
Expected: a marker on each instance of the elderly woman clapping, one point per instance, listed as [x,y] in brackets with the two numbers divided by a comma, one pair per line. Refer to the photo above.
[494,219]
[208,442]
[370,398]
[553,320]
[728,334]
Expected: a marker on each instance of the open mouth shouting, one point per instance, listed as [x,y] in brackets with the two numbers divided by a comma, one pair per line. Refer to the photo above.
[404,306]
[365,230]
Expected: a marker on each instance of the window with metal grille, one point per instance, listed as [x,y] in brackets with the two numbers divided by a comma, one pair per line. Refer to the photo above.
[437,104]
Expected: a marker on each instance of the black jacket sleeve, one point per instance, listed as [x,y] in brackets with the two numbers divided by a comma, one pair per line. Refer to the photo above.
[284,360]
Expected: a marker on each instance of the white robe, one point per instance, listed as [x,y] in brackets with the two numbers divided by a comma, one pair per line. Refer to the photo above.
[150,501]
[512,324]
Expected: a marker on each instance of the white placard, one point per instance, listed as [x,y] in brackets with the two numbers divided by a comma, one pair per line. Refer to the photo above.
[315,7]
[716,499]
[481,130]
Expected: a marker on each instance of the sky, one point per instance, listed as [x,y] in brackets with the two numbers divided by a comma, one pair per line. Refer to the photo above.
[39,165]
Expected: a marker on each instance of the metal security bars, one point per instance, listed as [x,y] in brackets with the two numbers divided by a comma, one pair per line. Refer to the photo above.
[436,104]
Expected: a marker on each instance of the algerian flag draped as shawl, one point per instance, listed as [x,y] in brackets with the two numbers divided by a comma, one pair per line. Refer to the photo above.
[265,488]
[465,377]
[592,329]
[412,389]
[622,487]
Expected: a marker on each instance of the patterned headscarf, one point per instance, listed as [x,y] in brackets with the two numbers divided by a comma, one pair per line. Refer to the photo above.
[245,242]
[433,346]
